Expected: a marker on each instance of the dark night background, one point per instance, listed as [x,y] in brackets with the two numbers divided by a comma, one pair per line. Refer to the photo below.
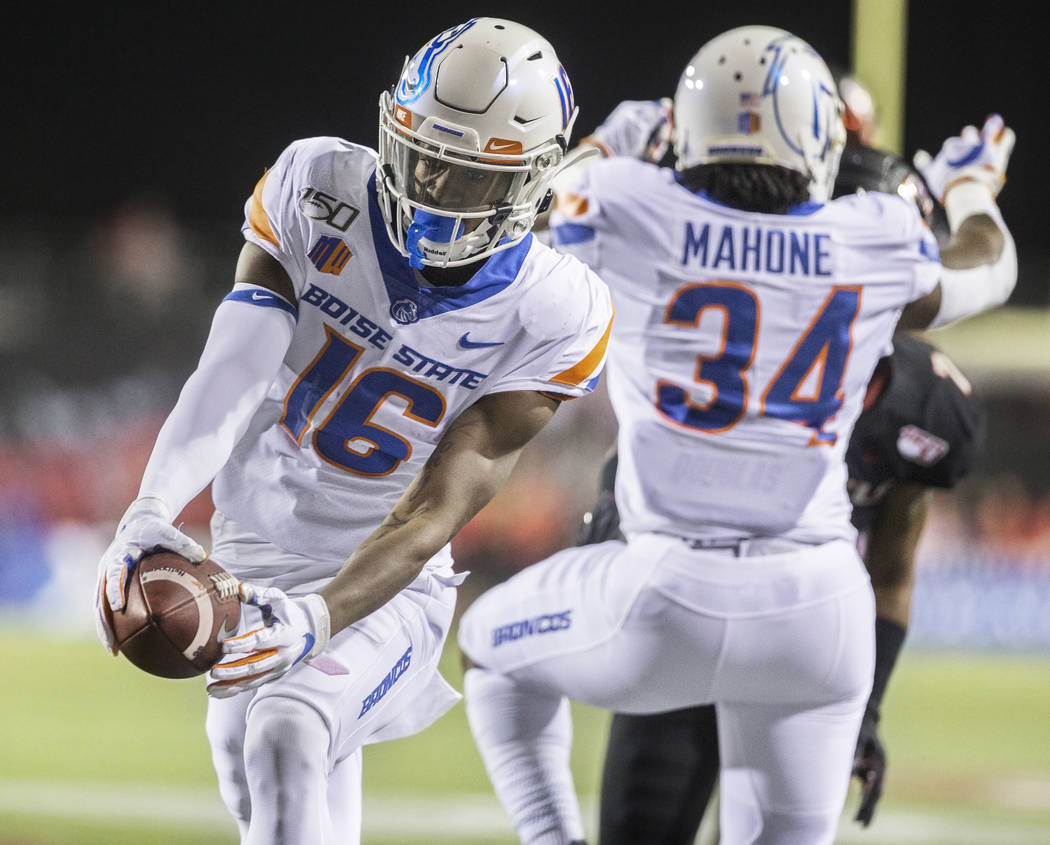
[188,103]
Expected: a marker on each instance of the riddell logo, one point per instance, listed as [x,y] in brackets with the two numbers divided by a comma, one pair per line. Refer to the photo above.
[503,146]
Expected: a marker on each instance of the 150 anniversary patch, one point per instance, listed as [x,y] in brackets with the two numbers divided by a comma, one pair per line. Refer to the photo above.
[317,205]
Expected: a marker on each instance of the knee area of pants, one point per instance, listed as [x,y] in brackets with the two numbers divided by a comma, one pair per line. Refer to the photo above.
[286,730]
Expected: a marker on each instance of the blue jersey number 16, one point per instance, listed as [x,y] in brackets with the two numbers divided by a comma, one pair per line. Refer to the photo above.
[347,438]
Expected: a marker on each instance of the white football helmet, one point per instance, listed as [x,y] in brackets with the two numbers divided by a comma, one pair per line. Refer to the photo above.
[760,95]
[469,141]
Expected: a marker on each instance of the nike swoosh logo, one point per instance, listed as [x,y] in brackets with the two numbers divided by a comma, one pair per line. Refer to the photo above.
[256,296]
[225,632]
[495,146]
[466,343]
[306,650]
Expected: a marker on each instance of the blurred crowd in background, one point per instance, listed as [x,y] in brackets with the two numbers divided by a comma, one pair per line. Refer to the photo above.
[99,330]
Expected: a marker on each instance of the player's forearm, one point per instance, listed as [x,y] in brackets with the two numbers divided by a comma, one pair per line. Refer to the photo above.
[894,604]
[980,264]
[446,494]
[889,640]
[381,567]
[471,463]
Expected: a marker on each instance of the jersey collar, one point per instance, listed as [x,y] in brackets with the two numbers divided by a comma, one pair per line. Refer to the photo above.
[402,283]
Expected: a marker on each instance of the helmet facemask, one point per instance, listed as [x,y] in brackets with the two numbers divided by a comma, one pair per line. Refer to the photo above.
[448,203]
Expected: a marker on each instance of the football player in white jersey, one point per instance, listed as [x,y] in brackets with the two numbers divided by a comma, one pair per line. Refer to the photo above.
[393,339]
[751,313]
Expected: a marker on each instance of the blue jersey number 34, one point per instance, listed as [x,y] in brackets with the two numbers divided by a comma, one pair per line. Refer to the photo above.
[817,361]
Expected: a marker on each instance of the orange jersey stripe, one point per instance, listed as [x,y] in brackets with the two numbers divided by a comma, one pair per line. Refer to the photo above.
[257,218]
[571,205]
[577,373]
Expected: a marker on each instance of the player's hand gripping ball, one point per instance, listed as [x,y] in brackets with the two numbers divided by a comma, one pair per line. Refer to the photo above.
[293,629]
[177,615]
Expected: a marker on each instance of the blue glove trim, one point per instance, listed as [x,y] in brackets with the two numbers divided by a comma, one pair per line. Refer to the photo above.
[309,645]
[970,157]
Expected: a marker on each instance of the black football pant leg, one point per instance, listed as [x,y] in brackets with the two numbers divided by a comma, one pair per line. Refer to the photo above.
[660,771]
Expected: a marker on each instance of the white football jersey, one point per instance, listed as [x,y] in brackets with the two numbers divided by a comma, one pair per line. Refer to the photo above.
[380,364]
[742,346]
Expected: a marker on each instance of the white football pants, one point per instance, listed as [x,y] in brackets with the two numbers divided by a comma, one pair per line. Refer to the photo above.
[783,644]
[288,754]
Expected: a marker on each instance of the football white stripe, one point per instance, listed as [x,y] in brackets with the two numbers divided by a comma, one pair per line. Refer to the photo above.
[205,614]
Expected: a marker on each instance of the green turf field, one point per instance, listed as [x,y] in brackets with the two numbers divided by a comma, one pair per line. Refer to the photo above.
[94,752]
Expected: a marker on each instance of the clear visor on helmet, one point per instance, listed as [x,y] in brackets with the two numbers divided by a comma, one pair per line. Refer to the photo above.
[450,185]
[435,176]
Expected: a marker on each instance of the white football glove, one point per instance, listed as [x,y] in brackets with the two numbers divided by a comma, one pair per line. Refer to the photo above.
[970,156]
[294,629]
[145,527]
[637,128]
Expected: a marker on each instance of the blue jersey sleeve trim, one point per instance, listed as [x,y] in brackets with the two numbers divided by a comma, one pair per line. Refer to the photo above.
[566,234]
[263,298]
[494,275]
[929,248]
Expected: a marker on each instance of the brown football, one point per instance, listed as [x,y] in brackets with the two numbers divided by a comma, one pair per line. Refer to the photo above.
[177,615]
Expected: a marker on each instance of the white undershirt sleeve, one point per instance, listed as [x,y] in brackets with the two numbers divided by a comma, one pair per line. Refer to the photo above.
[241,357]
[968,292]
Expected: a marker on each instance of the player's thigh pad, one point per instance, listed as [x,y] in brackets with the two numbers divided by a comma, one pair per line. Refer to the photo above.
[378,678]
[565,603]
[799,625]
[586,623]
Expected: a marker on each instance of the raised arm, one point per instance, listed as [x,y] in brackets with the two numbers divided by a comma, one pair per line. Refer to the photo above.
[980,260]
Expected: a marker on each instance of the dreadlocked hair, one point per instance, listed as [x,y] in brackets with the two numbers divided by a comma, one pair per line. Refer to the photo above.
[765,188]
